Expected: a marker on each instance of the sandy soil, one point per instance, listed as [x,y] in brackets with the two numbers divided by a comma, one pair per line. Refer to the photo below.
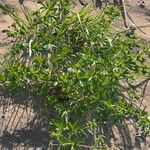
[22,122]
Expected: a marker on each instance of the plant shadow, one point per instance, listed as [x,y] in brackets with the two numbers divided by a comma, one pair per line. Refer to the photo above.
[24,122]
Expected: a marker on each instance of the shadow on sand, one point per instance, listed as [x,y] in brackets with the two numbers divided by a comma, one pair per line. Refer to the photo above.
[24,123]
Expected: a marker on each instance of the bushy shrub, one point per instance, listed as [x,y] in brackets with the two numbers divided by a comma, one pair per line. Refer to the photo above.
[79,66]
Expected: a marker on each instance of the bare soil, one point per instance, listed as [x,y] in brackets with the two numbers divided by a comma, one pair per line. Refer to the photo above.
[24,122]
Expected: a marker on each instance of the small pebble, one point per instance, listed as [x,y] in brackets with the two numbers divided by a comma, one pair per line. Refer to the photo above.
[3,116]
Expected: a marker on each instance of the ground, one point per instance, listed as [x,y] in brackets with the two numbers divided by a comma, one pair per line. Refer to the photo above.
[23,122]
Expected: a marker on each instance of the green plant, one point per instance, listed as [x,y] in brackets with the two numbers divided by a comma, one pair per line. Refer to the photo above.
[79,67]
